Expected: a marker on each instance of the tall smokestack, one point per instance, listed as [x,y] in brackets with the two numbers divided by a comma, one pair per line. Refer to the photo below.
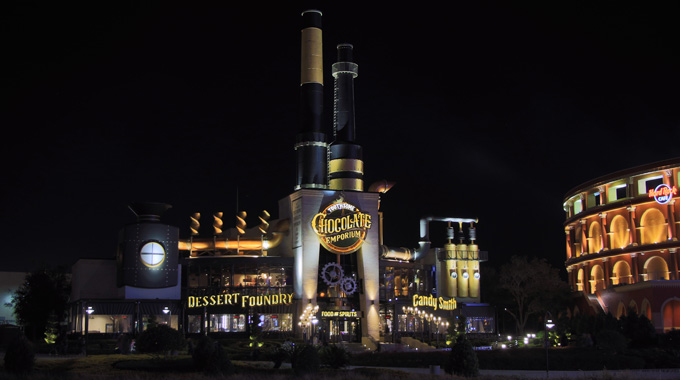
[346,165]
[311,147]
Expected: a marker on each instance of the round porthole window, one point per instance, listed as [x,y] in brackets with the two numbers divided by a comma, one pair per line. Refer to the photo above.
[152,254]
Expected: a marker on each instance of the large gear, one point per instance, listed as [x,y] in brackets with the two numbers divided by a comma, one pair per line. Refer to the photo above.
[332,274]
[348,285]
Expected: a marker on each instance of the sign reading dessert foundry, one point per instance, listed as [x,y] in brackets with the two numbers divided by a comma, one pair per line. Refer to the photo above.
[341,227]
[239,299]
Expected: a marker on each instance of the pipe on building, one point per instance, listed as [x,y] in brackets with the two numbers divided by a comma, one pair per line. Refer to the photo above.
[381,186]
[407,254]
[248,244]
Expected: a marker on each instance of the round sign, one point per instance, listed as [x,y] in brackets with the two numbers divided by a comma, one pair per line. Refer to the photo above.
[663,193]
[341,227]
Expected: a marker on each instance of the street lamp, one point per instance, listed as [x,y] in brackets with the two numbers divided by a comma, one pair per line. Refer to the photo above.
[89,311]
[548,325]
[168,312]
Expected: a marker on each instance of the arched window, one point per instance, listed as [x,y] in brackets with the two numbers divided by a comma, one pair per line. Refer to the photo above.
[654,228]
[578,235]
[619,232]
[671,315]
[633,306]
[621,310]
[656,269]
[595,238]
[621,273]
[597,279]
[579,280]
[646,309]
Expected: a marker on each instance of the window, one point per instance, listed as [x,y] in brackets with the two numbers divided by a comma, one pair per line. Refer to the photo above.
[593,200]
[152,254]
[619,232]
[650,183]
[578,206]
[595,238]
[654,227]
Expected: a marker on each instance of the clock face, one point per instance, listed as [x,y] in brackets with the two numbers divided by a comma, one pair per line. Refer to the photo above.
[152,254]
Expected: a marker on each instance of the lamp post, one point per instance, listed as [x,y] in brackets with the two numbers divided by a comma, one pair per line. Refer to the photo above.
[307,320]
[89,311]
[168,312]
[548,325]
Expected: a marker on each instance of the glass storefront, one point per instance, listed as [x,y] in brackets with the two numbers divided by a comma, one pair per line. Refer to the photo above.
[396,282]
[248,279]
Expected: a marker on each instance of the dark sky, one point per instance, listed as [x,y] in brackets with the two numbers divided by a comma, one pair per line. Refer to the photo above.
[489,110]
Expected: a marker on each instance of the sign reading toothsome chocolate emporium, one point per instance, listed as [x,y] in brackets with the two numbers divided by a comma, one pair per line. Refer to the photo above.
[341,227]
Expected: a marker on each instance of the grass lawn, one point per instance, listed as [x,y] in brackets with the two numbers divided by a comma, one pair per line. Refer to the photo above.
[143,367]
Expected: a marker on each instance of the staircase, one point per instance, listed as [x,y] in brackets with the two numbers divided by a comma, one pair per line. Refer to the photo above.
[415,344]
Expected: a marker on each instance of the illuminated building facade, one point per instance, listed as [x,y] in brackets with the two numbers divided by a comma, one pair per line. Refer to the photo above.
[320,270]
[622,246]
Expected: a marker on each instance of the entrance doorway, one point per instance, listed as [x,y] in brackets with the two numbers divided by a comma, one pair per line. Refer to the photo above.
[342,330]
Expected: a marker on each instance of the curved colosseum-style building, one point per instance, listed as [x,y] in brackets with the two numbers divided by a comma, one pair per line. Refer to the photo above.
[622,243]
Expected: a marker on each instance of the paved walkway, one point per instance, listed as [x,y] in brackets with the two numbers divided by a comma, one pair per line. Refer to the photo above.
[644,374]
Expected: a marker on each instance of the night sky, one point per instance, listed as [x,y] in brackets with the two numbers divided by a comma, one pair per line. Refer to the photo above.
[476,110]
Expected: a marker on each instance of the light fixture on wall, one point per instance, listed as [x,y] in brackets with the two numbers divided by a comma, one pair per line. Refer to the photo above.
[454,274]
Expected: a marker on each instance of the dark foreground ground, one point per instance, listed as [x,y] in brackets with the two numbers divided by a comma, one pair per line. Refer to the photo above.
[131,367]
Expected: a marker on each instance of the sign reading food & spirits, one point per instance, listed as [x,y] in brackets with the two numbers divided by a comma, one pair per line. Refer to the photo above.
[240,299]
[341,227]
[340,313]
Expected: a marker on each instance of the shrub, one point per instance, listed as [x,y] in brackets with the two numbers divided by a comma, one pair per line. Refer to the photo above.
[19,357]
[610,340]
[159,339]
[334,356]
[279,354]
[305,359]
[209,356]
[123,344]
[463,360]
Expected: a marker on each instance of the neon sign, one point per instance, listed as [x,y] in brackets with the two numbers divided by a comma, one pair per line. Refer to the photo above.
[663,193]
[340,313]
[242,299]
[436,303]
[341,227]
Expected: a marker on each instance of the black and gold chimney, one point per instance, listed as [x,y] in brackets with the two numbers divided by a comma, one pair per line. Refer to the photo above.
[346,169]
[311,147]
[148,254]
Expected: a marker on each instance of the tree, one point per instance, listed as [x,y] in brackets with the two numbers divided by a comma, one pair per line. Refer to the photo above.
[44,292]
[462,360]
[534,287]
